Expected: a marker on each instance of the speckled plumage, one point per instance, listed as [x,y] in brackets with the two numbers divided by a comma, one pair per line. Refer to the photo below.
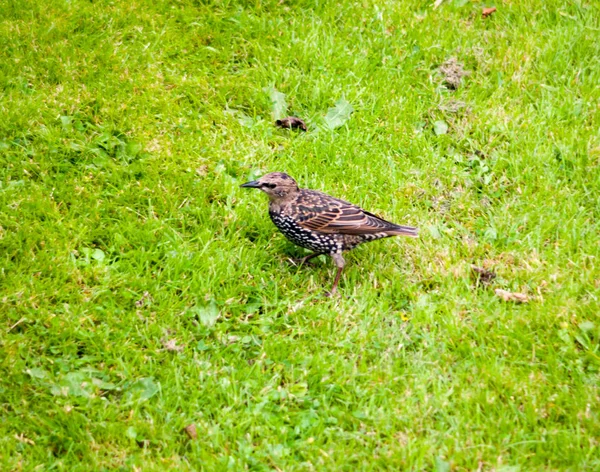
[321,223]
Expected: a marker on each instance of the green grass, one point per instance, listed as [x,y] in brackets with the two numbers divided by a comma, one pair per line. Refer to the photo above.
[126,129]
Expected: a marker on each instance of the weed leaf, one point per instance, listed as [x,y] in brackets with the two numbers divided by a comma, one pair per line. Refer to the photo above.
[440,127]
[142,390]
[339,114]
[441,465]
[37,373]
[207,314]
[278,103]
[74,384]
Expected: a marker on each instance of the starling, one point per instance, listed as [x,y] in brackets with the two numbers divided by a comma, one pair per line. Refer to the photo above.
[321,223]
[291,122]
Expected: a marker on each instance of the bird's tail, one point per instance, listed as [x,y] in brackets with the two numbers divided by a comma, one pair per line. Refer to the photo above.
[404,231]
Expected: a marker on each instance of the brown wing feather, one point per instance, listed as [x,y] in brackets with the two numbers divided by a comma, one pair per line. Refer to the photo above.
[320,212]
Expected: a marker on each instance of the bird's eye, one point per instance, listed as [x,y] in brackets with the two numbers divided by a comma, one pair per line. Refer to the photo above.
[269,185]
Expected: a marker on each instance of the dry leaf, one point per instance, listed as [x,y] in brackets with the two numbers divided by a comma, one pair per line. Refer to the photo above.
[145,300]
[454,106]
[291,122]
[487,12]
[511,296]
[482,275]
[191,431]
[171,345]
[23,439]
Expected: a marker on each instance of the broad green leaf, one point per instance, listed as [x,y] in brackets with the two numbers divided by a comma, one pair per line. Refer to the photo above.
[299,390]
[142,390]
[434,231]
[491,233]
[339,114]
[252,307]
[440,127]
[133,148]
[245,120]
[278,103]
[240,116]
[102,385]
[92,254]
[441,465]
[98,255]
[207,314]
[66,121]
[584,326]
[74,384]
[37,373]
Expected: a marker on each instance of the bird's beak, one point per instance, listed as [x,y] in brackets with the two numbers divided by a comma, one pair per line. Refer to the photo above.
[253,184]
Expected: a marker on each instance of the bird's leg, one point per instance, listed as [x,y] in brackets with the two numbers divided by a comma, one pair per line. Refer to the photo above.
[303,260]
[309,257]
[340,263]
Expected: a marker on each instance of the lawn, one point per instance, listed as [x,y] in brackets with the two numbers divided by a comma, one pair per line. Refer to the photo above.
[142,292]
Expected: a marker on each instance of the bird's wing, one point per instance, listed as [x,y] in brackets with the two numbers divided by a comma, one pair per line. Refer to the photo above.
[320,212]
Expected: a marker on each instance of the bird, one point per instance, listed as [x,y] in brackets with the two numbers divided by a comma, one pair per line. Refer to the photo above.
[320,222]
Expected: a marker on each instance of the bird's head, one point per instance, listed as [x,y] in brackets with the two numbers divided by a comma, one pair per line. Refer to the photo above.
[276,185]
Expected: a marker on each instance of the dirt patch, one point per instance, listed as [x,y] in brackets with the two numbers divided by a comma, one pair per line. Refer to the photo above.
[454,106]
[453,72]
[482,276]
[511,296]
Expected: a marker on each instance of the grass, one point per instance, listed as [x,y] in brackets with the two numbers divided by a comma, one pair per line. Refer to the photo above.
[142,290]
